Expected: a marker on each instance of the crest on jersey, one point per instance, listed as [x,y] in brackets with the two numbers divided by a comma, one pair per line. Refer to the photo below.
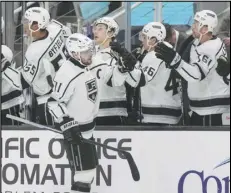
[92,90]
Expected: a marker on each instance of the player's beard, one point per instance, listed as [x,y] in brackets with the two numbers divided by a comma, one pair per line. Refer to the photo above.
[86,62]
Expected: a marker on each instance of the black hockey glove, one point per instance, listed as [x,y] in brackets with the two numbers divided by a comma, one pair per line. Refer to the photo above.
[168,55]
[128,61]
[71,130]
[223,67]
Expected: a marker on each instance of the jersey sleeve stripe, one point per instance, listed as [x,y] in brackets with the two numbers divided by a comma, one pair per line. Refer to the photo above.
[220,49]
[13,70]
[69,84]
[45,53]
[201,71]
[98,66]
[52,112]
[132,77]
[189,74]
[11,80]
[61,109]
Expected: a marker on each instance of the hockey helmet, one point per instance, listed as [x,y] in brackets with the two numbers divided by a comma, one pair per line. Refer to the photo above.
[39,15]
[111,24]
[79,43]
[6,57]
[7,53]
[206,18]
[154,30]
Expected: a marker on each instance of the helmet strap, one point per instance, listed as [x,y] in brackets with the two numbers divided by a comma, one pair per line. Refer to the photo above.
[107,37]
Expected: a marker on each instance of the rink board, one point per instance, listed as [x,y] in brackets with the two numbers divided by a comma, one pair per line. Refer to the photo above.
[169,162]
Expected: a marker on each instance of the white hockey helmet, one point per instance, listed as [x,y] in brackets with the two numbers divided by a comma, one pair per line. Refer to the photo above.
[111,24]
[3,25]
[154,30]
[39,15]
[78,43]
[7,53]
[206,18]
[6,56]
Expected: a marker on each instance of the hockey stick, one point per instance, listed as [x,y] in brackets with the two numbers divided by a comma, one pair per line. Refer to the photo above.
[127,155]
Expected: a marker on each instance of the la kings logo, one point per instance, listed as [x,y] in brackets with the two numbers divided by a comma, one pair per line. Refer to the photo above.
[92,90]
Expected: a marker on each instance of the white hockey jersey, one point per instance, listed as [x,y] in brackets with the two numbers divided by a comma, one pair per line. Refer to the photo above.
[208,92]
[113,100]
[160,97]
[77,94]
[42,59]
[11,89]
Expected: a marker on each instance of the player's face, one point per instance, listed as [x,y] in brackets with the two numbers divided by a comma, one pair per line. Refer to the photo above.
[146,42]
[86,57]
[100,33]
[28,29]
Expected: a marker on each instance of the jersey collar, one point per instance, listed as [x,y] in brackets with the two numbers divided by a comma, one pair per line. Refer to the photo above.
[44,37]
[76,63]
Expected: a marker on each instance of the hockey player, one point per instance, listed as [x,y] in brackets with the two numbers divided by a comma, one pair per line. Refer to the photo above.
[113,101]
[43,57]
[11,95]
[74,104]
[208,93]
[160,99]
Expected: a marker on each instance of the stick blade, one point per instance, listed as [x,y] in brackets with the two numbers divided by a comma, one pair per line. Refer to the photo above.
[134,169]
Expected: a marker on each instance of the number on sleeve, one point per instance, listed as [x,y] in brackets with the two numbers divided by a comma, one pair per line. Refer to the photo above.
[57,86]
[206,60]
[27,67]
[172,84]
[151,71]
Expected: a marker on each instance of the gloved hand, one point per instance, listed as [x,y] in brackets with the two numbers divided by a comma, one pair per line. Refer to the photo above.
[139,55]
[168,55]
[223,67]
[126,60]
[116,47]
[71,130]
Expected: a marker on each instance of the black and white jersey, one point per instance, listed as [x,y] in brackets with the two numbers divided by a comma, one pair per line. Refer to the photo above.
[77,93]
[112,99]
[43,58]
[208,92]
[160,97]
[11,95]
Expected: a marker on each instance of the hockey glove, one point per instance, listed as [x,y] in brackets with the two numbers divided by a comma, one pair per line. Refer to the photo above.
[126,61]
[71,130]
[223,67]
[168,55]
